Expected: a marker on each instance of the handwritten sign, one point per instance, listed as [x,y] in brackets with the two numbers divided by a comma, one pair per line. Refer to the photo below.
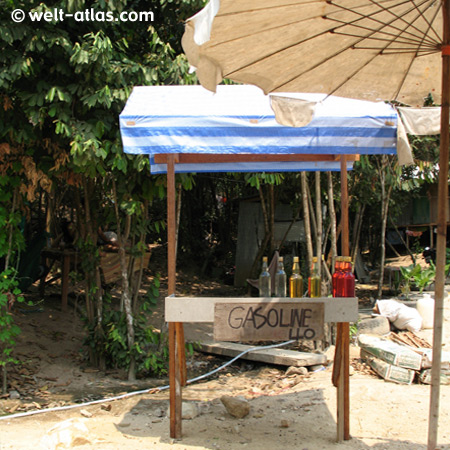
[268,321]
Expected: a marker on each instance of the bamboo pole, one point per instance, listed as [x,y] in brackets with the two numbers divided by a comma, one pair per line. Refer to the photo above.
[175,378]
[441,234]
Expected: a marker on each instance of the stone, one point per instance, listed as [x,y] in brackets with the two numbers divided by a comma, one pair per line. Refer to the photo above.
[238,406]
[66,435]
[14,395]
[296,371]
[285,423]
[189,410]
[378,325]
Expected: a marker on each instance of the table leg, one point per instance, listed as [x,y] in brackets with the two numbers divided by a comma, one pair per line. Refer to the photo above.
[65,281]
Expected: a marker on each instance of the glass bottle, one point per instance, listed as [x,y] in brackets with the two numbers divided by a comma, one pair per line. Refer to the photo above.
[296,280]
[314,281]
[264,280]
[337,275]
[280,279]
[348,278]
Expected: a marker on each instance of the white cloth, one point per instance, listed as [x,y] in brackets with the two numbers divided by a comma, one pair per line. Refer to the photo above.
[292,112]
[421,121]
[404,152]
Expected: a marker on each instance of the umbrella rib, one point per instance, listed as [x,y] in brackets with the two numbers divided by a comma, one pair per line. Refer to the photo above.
[387,24]
[265,30]
[420,14]
[405,40]
[410,64]
[366,63]
[263,8]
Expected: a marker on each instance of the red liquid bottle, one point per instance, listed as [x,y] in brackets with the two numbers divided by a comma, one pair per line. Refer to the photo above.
[348,279]
[337,275]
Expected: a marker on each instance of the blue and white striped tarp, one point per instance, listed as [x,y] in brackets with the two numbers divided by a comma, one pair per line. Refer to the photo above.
[239,120]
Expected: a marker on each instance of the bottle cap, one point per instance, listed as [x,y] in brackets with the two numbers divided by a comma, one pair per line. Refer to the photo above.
[264,258]
[347,258]
[296,259]
[280,259]
[314,259]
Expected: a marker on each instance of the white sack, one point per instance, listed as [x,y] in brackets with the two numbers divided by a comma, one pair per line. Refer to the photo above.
[402,317]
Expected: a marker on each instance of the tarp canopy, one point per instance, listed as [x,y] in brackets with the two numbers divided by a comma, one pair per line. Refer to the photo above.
[238,120]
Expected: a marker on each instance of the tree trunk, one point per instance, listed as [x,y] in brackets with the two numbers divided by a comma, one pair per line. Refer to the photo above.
[126,297]
[11,231]
[178,214]
[272,217]
[306,218]
[137,280]
[385,196]
[357,231]
[268,218]
[319,224]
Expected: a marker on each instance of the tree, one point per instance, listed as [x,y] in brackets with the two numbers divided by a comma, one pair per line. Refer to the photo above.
[63,83]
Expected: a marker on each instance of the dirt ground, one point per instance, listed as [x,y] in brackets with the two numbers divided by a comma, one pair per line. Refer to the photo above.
[294,412]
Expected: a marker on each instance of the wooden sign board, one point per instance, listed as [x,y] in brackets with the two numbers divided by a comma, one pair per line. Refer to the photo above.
[268,321]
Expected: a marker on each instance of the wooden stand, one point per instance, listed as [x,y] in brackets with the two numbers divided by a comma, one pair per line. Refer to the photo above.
[177,363]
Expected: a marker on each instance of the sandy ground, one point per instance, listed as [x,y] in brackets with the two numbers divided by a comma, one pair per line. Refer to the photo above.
[294,412]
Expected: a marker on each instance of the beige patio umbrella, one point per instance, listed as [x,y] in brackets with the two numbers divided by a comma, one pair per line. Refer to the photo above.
[393,50]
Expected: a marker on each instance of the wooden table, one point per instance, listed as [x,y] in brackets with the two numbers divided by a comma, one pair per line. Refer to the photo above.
[66,257]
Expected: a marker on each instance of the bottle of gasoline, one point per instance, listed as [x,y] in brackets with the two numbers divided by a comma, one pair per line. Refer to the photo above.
[337,275]
[348,278]
[314,281]
[296,280]
[265,289]
[280,279]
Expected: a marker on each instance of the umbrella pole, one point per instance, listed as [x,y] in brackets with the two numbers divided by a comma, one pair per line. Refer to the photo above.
[342,358]
[441,241]
[175,335]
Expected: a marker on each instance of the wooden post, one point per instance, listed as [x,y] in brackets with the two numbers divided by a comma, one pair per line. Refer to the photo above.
[65,279]
[341,373]
[174,327]
[441,241]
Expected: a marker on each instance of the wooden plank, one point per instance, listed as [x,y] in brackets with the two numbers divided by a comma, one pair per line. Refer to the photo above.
[254,322]
[275,356]
[205,158]
[201,309]
[343,385]
[175,371]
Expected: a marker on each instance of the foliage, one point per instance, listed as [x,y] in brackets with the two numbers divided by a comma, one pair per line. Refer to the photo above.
[9,294]
[63,84]
[11,242]
[420,277]
[149,348]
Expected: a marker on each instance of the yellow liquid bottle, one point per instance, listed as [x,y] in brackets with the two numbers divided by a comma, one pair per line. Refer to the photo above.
[314,281]
[296,280]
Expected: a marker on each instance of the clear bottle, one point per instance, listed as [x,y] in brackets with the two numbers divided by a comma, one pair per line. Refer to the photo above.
[280,279]
[337,275]
[296,280]
[265,289]
[314,281]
